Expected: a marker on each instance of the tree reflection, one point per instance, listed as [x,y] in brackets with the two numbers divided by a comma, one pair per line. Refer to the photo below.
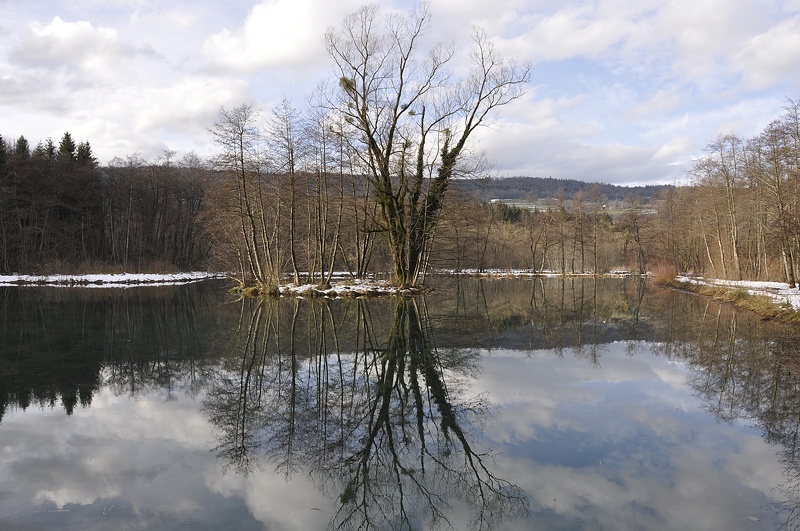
[742,368]
[356,393]
[371,397]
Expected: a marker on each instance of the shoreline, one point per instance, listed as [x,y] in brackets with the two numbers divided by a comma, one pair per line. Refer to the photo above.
[110,280]
[770,300]
[773,301]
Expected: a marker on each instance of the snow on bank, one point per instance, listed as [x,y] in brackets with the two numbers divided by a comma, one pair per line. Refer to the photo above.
[347,288]
[529,273]
[342,288]
[780,292]
[108,280]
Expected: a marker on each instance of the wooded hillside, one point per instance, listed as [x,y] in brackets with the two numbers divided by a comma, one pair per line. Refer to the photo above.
[531,188]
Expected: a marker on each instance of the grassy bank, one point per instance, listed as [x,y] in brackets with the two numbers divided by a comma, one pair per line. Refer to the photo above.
[765,306]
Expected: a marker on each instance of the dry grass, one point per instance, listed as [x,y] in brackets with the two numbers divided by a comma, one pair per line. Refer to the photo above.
[665,273]
[763,306]
[254,291]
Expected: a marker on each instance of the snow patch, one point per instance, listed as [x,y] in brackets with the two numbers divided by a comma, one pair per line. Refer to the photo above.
[350,288]
[109,280]
[529,273]
[780,292]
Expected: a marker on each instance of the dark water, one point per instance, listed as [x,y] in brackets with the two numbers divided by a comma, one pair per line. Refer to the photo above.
[505,404]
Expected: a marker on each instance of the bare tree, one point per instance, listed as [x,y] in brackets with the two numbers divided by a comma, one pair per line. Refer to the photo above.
[412,119]
[284,131]
[726,160]
[240,157]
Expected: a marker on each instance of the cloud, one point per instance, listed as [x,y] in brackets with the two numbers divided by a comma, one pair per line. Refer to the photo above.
[77,46]
[153,118]
[187,104]
[675,148]
[576,32]
[663,100]
[693,43]
[17,90]
[610,163]
[772,56]
[626,82]
[276,33]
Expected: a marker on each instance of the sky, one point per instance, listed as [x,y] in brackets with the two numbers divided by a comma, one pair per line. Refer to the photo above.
[621,92]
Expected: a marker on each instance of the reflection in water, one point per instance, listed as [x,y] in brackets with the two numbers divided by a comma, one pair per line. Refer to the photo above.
[375,400]
[379,421]
[63,346]
[743,368]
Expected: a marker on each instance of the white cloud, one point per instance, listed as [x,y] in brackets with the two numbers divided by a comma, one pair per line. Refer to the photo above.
[174,116]
[276,33]
[770,57]
[616,82]
[675,148]
[663,100]
[575,31]
[73,45]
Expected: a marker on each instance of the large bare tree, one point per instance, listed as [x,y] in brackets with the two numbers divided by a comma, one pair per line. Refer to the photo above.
[412,117]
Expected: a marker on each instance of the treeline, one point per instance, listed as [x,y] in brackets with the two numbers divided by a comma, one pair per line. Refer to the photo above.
[740,219]
[287,196]
[61,212]
[295,199]
[275,200]
[575,235]
[50,203]
[531,188]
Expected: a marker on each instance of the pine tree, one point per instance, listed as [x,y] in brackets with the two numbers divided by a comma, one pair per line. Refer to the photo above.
[3,157]
[45,152]
[84,155]
[22,149]
[66,149]
[50,150]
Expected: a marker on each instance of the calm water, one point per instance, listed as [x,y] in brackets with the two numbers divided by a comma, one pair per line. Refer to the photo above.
[506,404]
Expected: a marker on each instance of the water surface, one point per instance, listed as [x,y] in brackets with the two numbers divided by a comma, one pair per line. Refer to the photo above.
[508,404]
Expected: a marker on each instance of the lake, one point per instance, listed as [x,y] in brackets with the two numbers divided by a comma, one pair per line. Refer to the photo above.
[487,404]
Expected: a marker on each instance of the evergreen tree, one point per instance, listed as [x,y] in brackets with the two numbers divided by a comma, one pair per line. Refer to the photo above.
[3,157]
[45,151]
[84,155]
[22,149]
[38,151]
[50,150]
[66,149]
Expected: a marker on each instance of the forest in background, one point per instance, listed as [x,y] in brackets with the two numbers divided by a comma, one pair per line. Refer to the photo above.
[62,212]
[533,188]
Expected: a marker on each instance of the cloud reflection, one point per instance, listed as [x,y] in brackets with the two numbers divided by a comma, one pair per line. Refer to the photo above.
[623,445]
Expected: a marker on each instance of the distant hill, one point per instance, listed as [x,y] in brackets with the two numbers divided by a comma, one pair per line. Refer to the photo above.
[532,188]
